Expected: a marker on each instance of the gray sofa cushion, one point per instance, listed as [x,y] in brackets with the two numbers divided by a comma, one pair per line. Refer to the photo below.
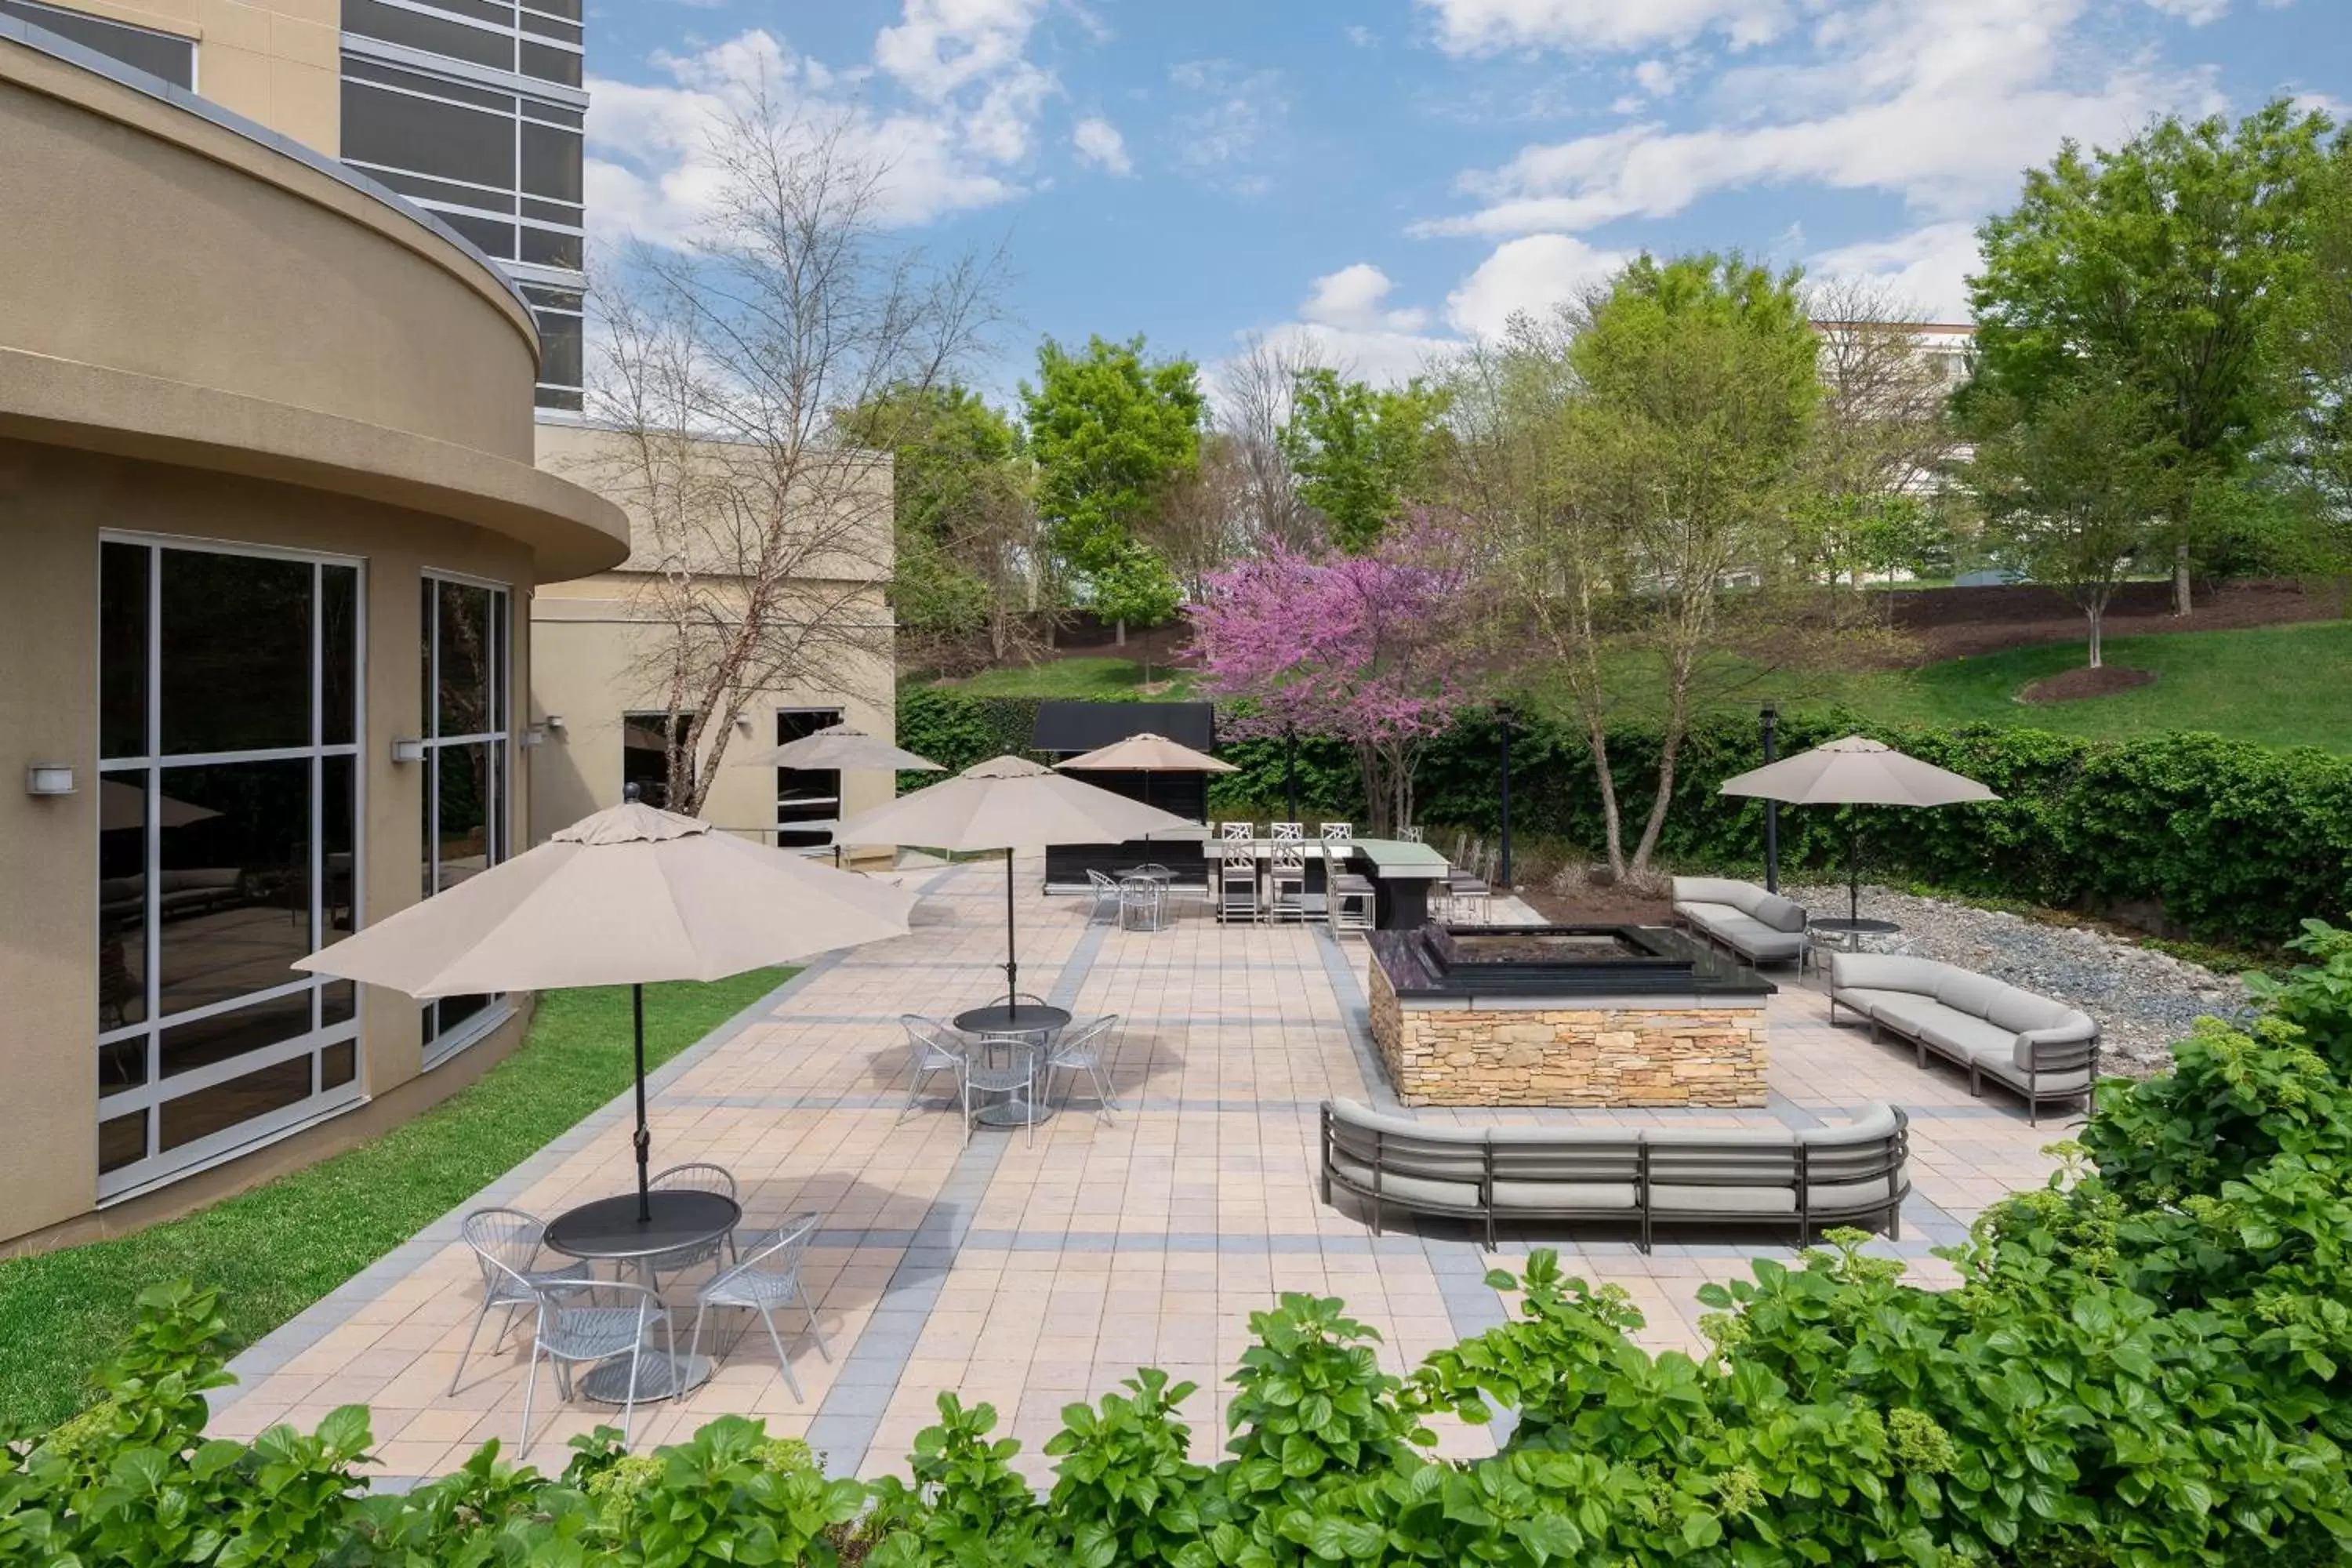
[1745,932]
[1408,1189]
[1728,891]
[1723,1200]
[1468,1166]
[1847,1197]
[1911,1014]
[2068,1045]
[1599,1196]
[2001,1066]
[2015,1010]
[1972,992]
[1968,1038]
[1885,972]
[1876,1123]
[1781,914]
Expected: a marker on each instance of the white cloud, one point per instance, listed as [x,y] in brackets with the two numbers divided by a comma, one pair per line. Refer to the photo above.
[949,111]
[1656,77]
[1363,37]
[1529,274]
[1101,144]
[2196,13]
[1352,300]
[1941,101]
[1926,269]
[1479,27]
[1236,119]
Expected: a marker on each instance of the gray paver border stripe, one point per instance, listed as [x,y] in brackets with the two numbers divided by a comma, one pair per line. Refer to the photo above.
[330,1311]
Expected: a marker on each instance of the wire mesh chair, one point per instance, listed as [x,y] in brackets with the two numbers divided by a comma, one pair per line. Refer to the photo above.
[936,1048]
[1106,892]
[568,1335]
[1017,1079]
[768,1278]
[506,1244]
[1081,1050]
[1142,903]
[692,1178]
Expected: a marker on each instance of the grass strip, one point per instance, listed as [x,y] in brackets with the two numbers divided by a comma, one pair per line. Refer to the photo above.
[279,1248]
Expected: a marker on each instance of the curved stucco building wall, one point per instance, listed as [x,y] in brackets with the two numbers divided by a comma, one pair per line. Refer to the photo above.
[212,342]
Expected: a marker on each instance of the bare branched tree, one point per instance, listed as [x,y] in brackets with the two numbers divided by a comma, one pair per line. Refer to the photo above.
[763,542]
[1253,393]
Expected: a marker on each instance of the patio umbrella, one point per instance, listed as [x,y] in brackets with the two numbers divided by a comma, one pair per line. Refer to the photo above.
[1856,771]
[841,747]
[622,898]
[1146,754]
[1008,804]
[121,806]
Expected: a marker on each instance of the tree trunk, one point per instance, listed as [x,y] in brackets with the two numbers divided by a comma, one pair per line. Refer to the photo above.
[1669,752]
[1597,738]
[1118,634]
[2180,605]
[2096,613]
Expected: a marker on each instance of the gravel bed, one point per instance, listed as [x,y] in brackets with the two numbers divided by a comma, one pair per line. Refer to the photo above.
[2144,1000]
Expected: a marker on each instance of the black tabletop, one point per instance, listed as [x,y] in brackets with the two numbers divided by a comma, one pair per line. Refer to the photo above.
[1003,1019]
[1841,926]
[609,1227]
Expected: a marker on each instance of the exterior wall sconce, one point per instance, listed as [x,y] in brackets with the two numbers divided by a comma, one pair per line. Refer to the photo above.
[49,778]
[408,751]
[533,737]
[743,722]
[555,721]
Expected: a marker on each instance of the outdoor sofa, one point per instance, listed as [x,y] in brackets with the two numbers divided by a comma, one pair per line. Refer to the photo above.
[2043,1050]
[1760,926]
[1855,1175]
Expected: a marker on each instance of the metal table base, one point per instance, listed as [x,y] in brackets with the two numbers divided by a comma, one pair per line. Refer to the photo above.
[659,1377]
[1013,1113]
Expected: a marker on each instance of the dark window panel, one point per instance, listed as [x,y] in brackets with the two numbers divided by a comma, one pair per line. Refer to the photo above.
[564,213]
[364,70]
[548,27]
[563,397]
[546,247]
[338,836]
[122,900]
[568,9]
[464,789]
[236,652]
[338,654]
[141,49]
[554,113]
[554,299]
[489,236]
[468,655]
[550,163]
[338,1003]
[549,63]
[337,1065]
[559,350]
[122,1142]
[122,604]
[184,1047]
[645,755]
[423,189]
[372,19]
[122,1064]
[804,795]
[490,11]
[234,900]
[453,1011]
[224,1105]
[427,138]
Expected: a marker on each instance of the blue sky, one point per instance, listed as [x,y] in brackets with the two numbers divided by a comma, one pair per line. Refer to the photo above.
[1384,179]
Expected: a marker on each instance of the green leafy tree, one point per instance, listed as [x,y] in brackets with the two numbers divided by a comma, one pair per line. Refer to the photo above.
[2076,492]
[1361,452]
[2179,266]
[1109,430]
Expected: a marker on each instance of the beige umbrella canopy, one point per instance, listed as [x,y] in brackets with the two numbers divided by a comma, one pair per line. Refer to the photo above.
[842,747]
[1856,771]
[1008,804]
[123,805]
[622,898]
[1148,753]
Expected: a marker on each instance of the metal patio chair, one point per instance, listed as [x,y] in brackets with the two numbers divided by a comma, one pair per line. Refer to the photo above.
[768,1278]
[1106,892]
[1081,1050]
[935,1048]
[569,1334]
[1017,1079]
[506,1244]
[697,1177]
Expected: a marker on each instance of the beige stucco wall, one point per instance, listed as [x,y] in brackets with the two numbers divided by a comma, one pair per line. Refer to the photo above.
[274,61]
[591,637]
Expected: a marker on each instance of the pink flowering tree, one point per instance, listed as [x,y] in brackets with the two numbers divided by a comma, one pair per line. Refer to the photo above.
[1373,649]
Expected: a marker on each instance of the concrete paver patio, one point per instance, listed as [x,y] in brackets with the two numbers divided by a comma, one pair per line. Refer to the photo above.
[1033,1271]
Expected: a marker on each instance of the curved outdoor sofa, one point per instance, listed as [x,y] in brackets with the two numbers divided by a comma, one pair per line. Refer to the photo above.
[2043,1050]
[1760,926]
[1853,1174]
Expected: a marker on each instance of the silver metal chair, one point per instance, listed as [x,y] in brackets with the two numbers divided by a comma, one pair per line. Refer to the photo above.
[1017,1079]
[506,1244]
[568,1335]
[1351,902]
[768,1278]
[1106,892]
[936,1048]
[692,1178]
[1081,1050]
[1142,903]
[1286,885]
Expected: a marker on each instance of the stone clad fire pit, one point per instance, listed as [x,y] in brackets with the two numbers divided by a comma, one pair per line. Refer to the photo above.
[1592,1016]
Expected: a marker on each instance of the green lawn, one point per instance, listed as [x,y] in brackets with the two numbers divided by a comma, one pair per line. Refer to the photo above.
[1098,678]
[279,1248]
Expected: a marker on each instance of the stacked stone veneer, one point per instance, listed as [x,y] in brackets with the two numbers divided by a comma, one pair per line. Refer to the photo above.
[1547,1053]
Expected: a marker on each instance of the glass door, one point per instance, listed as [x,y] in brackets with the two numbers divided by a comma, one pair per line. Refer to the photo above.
[808,800]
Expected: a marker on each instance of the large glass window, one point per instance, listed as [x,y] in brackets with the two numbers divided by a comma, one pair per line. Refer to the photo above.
[467,746]
[645,755]
[229,825]
[808,800]
[164,55]
[489,141]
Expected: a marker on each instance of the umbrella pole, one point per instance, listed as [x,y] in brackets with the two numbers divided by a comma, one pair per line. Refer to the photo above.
[644,1140]
[1854,871]
[1012,962]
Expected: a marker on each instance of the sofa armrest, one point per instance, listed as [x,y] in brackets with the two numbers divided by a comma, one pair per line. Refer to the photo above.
[2059,1048]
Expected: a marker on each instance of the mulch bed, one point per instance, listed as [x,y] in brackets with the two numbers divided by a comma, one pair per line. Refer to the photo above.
[1951,622]
[1591,906]
[2078,684]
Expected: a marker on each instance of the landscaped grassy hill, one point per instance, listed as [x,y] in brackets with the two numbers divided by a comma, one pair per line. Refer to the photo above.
[2286,685]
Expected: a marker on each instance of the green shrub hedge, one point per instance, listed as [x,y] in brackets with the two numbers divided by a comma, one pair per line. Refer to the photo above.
[2146,1365]
[2230,840]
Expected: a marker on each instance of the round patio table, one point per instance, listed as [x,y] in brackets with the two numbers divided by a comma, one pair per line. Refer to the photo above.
[608,1229]
[1017,1084]
[1853,930]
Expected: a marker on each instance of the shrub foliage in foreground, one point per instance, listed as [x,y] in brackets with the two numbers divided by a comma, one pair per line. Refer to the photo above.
[2143,1365]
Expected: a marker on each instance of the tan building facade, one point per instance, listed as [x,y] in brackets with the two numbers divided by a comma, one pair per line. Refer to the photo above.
[275,530]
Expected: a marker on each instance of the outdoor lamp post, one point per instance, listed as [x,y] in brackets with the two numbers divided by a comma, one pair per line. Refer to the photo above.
[1772,808]
[1290,770]
[1503,719]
